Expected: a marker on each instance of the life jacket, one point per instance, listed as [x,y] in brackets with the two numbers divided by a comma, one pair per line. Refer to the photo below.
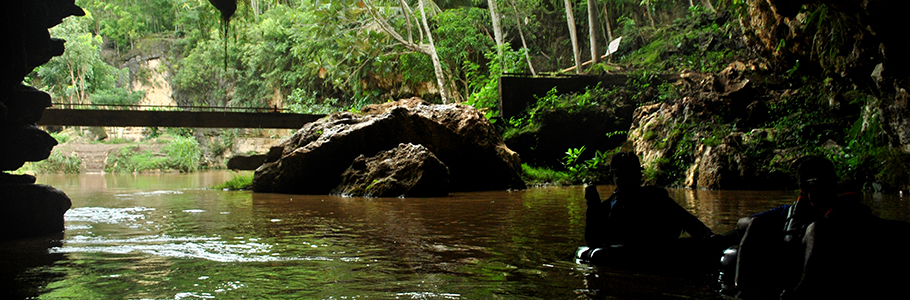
[801,214]
[798,219]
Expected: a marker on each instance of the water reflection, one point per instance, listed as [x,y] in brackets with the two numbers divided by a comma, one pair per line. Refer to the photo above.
[166,237]
[24,264]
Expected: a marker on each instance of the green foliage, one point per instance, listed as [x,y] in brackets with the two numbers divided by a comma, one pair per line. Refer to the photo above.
[303,103]
[485,88]
[79,73]
[179,131]
[571,102]
[236,183]
[468,54]
[115,140]
[125,21]
[867,159]
[56,163]
[130,159]
[589,170]
[223,142]
[183,154]
[61,137]
[116,96]
[680,142]
[702,41]
[539,176]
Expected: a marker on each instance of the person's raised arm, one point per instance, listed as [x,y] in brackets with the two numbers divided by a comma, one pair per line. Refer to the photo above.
[593,217]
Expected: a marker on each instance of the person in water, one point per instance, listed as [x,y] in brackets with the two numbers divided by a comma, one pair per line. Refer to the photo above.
[636,215]
[823,245]
[771,250]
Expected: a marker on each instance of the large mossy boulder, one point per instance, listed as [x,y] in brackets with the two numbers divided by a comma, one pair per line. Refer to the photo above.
[313,159]
[407,171]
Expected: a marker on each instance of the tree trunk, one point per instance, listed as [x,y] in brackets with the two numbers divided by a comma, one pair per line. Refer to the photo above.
[522,35]
[592,29]
[709,6]
[570,19]
[437,66]
[421,48]
[609,27]
[407,16]
[497,25]
[648,12]
[255,5]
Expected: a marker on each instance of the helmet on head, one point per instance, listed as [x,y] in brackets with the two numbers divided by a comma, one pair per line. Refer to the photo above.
[625,161]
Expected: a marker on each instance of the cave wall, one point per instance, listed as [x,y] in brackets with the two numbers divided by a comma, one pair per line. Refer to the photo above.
[27,45]
[861,43]
[27,209]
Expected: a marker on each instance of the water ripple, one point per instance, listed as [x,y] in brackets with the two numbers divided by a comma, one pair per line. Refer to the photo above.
[208,248]
[105,214]
[150,194]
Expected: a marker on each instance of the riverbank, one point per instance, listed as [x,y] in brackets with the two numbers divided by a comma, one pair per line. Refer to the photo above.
[131,149]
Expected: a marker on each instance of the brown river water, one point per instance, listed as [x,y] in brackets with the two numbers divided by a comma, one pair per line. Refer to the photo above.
[167,236]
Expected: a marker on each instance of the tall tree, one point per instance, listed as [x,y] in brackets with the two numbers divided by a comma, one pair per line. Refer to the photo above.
[521,34]
[570,19]
[429,49]
[592,29]
[497,26]
[648,4]
[437,66]
[607,22]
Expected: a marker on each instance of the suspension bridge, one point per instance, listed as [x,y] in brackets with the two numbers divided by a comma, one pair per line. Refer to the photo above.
[61,114]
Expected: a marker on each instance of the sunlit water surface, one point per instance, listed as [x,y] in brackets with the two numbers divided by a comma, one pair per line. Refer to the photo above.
[166,236]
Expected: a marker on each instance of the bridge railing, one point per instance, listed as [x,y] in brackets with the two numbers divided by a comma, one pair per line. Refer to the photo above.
[173,116]
[60,105]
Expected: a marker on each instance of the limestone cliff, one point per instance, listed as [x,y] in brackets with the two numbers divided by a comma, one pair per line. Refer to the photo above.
[832,79]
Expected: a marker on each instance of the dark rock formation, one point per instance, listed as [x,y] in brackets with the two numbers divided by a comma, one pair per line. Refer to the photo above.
[25,143]
[245,162]
[662,131]
[861,43]
[313,159]
[31,210]
[27,209]
[406,171]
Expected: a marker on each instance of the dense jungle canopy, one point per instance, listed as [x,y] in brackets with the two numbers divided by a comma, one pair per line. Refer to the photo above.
[306,53]
[758,83]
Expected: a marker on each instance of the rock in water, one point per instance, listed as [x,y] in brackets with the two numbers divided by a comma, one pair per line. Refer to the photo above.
[313,159]
[408,170]
[28,210]
[245,162]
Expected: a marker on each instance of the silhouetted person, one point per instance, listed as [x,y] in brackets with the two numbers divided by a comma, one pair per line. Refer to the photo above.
[771,250]
[826,244]
[636,215]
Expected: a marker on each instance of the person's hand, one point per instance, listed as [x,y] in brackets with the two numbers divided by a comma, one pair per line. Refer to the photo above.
[591,194]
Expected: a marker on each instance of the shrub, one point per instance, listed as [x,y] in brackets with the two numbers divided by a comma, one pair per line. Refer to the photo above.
[237,182]
[183,154]
[538,176]
[130,159]
[58,163]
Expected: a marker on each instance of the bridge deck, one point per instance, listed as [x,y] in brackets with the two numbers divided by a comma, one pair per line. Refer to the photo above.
[144,118]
